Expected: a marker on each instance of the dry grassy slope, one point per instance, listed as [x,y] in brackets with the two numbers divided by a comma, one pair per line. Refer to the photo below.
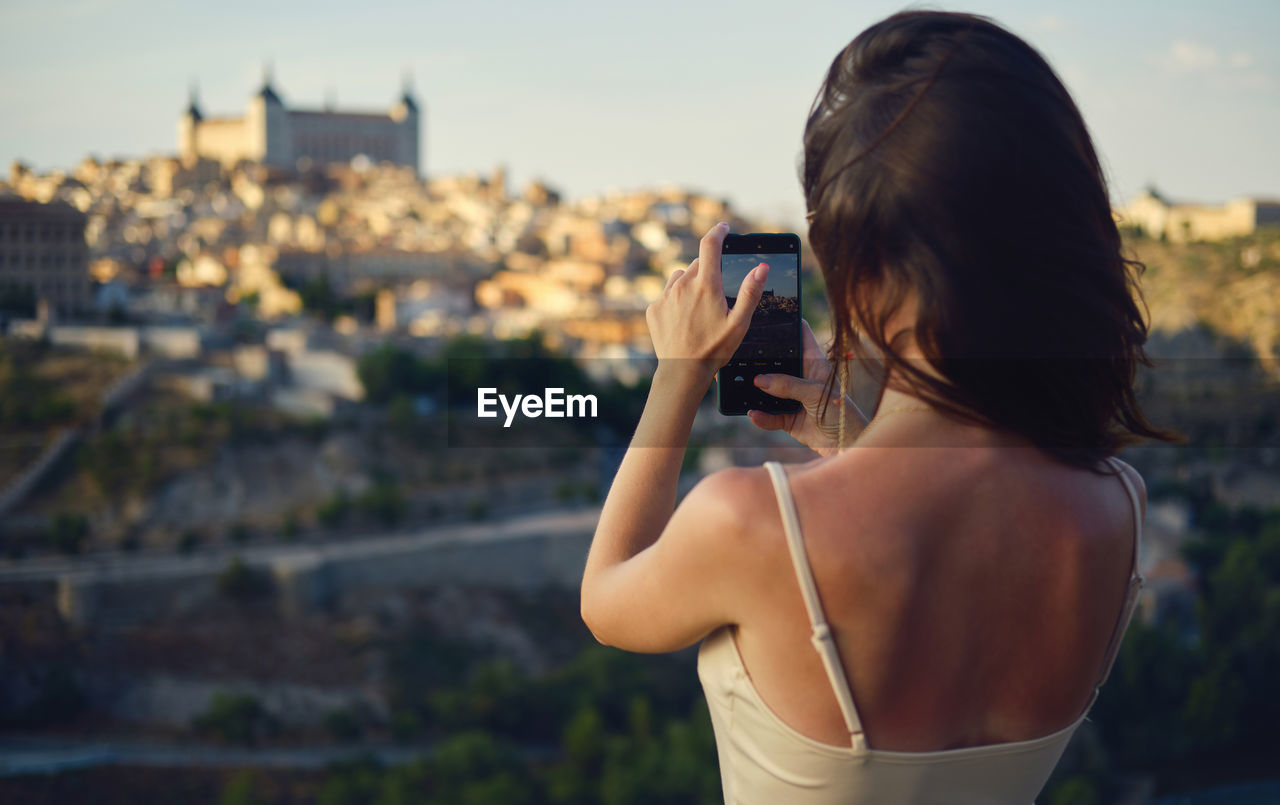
[76,378]
[1233,287]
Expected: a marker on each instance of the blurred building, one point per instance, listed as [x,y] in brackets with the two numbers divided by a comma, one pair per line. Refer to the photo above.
[345,270]
[1159,217]
[273,134]
[43,256]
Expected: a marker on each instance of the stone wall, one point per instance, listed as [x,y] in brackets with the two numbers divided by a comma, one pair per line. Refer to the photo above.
[309,580]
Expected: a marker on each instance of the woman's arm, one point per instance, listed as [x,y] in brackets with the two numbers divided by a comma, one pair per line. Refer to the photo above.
[646,584]
[643,494]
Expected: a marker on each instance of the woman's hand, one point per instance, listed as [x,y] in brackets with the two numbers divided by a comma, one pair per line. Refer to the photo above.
[820,433]
[692,326]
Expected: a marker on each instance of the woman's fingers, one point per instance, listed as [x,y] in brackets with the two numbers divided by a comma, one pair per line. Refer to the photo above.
[677,274]
[788,387]
[765,421]
[749,293]
[709,254]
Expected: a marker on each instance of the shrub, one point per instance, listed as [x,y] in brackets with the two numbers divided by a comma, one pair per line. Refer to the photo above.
[239,790]
[241,582]
[68,531]
[289,526]
[383,502]
[235,718]
[334,511]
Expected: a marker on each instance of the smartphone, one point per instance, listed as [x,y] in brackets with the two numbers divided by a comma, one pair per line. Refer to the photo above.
[772,344]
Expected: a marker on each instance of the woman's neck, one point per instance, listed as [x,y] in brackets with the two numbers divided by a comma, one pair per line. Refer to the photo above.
[892,398]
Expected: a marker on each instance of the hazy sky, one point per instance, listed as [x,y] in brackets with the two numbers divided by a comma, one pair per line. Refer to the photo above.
[782,278]
[592,95]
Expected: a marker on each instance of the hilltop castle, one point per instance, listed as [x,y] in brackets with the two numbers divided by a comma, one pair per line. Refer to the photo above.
[273,134]
[1158,217]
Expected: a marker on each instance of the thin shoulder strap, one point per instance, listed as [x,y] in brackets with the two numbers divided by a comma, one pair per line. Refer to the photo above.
[822,638]
[1137,512]
[1134,587]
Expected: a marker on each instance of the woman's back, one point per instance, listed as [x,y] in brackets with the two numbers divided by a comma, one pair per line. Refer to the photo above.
[972,591]
[968,598]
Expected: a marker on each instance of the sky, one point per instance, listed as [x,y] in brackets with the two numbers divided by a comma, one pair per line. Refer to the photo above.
[783,276]
[593,95]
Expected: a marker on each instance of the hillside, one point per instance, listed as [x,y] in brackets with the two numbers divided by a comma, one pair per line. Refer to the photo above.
[1231,287]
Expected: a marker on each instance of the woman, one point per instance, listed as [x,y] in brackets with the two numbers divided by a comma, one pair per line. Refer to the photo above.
[885,624]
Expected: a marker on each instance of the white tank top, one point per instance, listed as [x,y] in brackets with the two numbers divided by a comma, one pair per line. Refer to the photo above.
[763,760]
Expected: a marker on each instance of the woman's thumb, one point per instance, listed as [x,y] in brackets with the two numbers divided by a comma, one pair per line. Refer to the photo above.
[789,387]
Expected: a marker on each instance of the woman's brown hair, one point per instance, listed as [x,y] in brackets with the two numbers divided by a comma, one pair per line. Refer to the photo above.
[943,156]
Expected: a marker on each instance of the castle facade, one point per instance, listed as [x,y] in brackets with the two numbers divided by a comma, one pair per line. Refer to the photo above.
[1157,217]
[273,134]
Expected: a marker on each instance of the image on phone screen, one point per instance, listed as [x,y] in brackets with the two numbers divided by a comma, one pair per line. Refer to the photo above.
[772,343]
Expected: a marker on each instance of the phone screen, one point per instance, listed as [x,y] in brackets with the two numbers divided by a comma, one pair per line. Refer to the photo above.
[772,343]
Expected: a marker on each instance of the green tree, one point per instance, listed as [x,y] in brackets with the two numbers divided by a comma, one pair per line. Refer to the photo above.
[389,372]
[382,501]
[68,532]
[1077,790]
[289,527]
[235,718]
[474,768]
[356,782]
[240,790]
[242,582]
[318,297]
[334,511]
[1208,691]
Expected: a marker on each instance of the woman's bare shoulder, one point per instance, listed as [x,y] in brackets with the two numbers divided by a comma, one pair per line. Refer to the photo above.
[881,483]
[734,500]
[741,507]
[859,509]
[887,502]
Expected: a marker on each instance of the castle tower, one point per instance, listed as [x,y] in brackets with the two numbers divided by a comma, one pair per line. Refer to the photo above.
[272,134]
[408,118]
[188,124]
[267,126]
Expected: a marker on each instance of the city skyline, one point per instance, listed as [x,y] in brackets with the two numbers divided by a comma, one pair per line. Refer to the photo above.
[589,98]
